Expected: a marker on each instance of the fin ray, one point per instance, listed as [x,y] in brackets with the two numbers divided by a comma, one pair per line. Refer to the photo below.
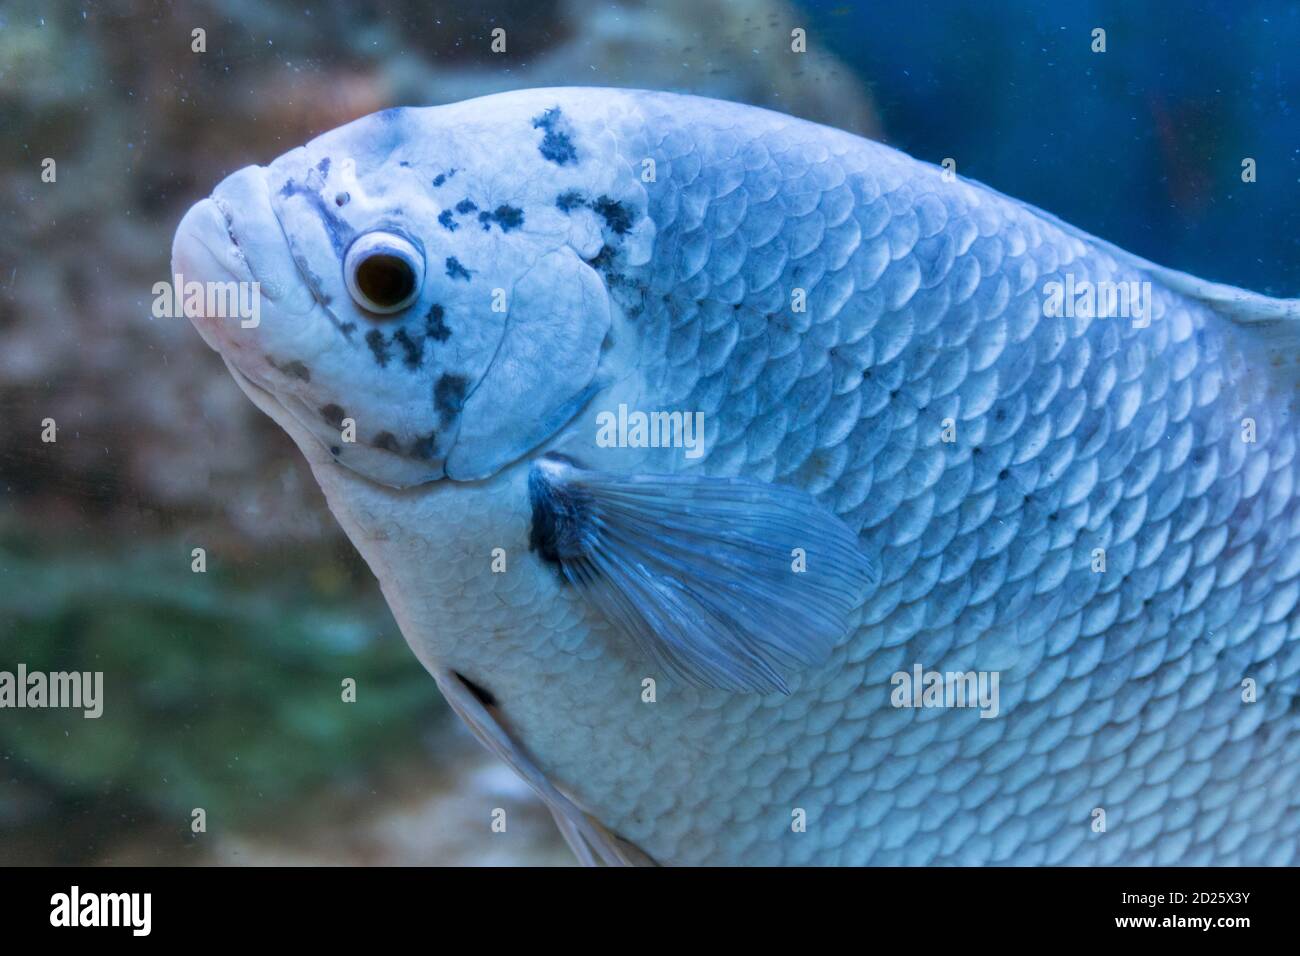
[700,572]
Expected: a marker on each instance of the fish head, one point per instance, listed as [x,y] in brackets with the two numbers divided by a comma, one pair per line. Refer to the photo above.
[424,311]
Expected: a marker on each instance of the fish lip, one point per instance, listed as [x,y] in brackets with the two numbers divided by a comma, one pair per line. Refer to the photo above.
[197,250]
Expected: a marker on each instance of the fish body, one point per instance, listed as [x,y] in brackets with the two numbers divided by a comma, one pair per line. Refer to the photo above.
[1094,516]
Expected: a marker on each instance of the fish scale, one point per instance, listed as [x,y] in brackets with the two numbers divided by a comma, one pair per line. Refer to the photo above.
[1119,691]
[1053,401]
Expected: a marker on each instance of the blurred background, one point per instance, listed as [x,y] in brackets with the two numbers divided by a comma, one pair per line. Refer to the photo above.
[222,689]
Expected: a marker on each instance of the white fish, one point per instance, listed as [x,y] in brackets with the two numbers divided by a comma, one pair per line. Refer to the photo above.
[968,568]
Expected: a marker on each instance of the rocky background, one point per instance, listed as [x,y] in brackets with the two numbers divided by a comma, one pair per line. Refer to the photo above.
[222,689]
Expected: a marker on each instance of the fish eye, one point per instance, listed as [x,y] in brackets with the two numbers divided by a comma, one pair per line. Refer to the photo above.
[383,271]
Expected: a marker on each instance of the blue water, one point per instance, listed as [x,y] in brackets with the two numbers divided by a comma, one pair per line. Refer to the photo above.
[1141,145]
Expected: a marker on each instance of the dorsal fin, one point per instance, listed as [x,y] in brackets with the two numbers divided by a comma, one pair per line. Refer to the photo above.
[1280,317]
[1271,343]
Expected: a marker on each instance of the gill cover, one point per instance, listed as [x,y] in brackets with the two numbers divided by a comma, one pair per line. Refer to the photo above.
[544,370]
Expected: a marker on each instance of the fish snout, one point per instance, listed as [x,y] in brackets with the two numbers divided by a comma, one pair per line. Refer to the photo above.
[211,283]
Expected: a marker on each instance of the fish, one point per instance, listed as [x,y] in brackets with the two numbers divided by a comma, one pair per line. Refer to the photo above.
[984,550]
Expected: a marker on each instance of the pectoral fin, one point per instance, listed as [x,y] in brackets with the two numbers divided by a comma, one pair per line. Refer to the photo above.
[723,582]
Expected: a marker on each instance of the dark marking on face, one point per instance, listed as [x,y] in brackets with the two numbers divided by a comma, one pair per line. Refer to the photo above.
[347,328]
[333,414]
[466,206]
[342,199]
[404,164]
[455,270]
[375,339]
[604,259]
[324,167]
[605,263]
[339,231]
[426,448]
[387,441]
[557,140]
[507,217]
[449,396]
[437,329]
[443,177]
[412,348]
[482,695]
[570,200]
[616,215]
[294,369]
[446,221]
[313,280]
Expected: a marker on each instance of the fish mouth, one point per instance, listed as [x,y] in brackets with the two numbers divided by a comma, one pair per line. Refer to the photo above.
[235,237]
[210,251]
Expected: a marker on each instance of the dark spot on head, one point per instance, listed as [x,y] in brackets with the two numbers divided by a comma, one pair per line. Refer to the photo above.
[557,143]
[333,415]
[465,206]
[312,279]
[616,215]
[347,328]
[342,199]
[507,217]
[439,179]
[449,396]
[375,339]
[569,200]
[455,270]
[404,164]
[482,695]
[437,329]
[446,220]
[324,166]
[410,347]
[339,231]
[295,369]
[426,448]
[387,441]
[604,259]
